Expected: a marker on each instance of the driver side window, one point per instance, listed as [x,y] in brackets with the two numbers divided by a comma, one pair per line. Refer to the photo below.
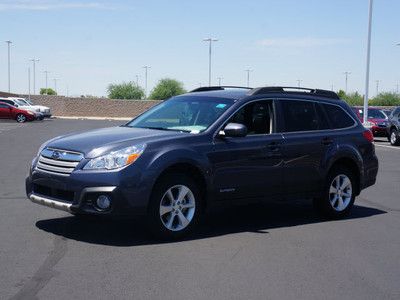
[256,116]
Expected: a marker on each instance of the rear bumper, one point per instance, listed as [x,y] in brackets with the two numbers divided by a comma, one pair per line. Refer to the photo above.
[371,167]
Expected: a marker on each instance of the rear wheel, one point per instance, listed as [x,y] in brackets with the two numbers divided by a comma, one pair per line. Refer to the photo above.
[339,193]
[175,206]
[394,137]
[21,118]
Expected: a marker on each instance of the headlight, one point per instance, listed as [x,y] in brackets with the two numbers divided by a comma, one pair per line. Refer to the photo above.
[368,124]
[31,113]
[42,146]
[116,159]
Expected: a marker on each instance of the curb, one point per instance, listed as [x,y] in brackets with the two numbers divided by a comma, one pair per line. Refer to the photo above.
[91,118]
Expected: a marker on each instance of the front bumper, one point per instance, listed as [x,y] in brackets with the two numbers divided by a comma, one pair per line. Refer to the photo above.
[77,192]
[379,131]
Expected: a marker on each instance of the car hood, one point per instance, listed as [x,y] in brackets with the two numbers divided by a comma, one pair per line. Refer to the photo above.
[97,142]
[25,107]
[377,120]
[40,107]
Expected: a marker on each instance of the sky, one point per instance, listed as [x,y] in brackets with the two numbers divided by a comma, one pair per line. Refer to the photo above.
[86,45]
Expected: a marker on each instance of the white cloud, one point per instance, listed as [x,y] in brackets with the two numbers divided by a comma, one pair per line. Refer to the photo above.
[42,5]
[301,42]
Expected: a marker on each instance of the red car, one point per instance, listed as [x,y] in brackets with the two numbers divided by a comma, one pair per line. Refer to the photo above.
[8,111]
[376,117]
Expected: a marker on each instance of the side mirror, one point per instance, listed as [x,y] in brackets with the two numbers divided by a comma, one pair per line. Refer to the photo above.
[16,105]
[234,130]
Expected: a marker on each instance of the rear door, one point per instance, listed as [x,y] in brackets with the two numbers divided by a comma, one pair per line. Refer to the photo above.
[251,166]
[306,140]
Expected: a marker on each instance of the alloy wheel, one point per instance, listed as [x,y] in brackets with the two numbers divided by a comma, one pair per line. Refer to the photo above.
[177,207]
[393,137]
[340,192]
[21,118]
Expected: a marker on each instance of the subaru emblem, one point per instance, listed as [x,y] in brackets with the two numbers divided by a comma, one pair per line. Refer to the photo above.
[56,155]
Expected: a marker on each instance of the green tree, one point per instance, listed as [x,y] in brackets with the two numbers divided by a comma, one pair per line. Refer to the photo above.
[125,90]
[167,88]
[49,91]
[386,99]
[352,99]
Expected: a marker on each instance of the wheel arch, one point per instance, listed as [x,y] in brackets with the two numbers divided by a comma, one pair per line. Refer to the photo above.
[190,169]
[352,164]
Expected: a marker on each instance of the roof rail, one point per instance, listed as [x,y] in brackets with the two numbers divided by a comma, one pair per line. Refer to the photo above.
[218,88]
[294,90]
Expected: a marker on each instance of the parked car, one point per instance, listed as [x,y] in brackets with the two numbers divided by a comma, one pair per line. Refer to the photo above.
[44,110]
[8,111]
[376,118]
[210,146]
[393,127]
[13,102]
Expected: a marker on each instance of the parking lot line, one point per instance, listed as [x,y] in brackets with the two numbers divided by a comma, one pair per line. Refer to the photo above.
[391,147]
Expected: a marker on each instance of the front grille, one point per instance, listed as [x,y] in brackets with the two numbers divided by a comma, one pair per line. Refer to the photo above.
[60,162]
[59,194]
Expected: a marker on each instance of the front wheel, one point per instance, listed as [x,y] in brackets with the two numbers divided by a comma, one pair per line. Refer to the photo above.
[339,194]
[175,206]
[21,118]
[394,138]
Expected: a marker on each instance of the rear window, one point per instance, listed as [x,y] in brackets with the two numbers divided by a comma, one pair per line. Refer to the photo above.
[337,116]
[300,116]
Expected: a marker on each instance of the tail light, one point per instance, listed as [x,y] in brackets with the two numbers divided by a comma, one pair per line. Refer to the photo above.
[367,134]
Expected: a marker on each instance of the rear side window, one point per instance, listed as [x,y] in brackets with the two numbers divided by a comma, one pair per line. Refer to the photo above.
[338,117]
[300,116]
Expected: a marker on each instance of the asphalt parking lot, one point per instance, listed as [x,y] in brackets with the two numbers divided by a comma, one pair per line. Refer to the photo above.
[271,251]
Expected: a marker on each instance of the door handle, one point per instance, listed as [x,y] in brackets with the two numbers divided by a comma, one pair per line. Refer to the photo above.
[326,141]
[274,149]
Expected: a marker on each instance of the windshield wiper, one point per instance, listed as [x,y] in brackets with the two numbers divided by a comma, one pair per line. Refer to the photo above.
[164,128]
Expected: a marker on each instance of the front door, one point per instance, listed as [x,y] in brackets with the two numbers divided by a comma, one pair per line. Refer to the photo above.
[5,111]
[251,166]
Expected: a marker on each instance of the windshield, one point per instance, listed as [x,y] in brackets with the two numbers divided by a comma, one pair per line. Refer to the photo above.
[22,102]
[373,114]
[185,113]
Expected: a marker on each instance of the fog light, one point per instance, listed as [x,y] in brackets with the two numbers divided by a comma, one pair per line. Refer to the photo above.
[103,202]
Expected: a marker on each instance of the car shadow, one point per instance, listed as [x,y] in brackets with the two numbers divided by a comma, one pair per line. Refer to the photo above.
[256,218]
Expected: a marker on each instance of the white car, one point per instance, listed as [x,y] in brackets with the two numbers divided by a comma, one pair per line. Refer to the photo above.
[26,104]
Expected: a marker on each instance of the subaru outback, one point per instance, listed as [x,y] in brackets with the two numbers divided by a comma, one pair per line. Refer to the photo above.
[210,146]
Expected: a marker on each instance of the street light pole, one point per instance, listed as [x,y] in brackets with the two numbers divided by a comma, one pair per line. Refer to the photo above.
[347,75]
[299,81]
[137,80]
[248,76]
[29,82]
[377,87]
[209,40]
[34,60]
[219,80]
[46,72]
[368,62]
[9,68]
[55,85]
[145,81]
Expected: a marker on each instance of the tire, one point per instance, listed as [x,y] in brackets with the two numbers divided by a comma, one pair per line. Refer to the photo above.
[172,217]
[335,202]
[20,118]
[394,138]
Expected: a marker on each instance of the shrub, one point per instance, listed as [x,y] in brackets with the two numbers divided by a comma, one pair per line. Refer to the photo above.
[49,91]
[125,90]
[167,88]
[386,99]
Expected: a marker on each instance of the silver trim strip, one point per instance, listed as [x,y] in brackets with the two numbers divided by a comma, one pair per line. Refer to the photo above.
[58,162]
[54,168]
[49,172]
[50,203]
